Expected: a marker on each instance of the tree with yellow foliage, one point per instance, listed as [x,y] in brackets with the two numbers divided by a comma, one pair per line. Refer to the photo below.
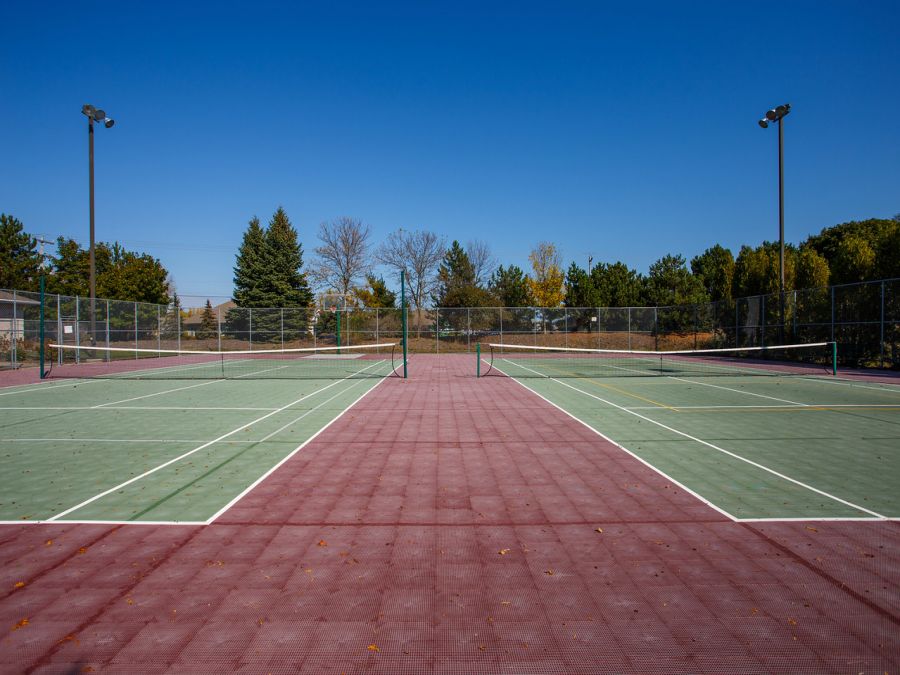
[546,279]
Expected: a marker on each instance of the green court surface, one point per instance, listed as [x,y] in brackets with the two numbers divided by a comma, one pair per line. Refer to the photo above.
[158,450]
[775,447]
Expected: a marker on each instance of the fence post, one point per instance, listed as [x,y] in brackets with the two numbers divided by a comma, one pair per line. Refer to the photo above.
[178,324]
[107,330]
[219,328]
[437,330]
[629,326]
[762,320]
[377,342]
[832,314]
[135,330]
[881,340]
[282,328]
[12,334]
[159,329]
[77,329]
[59,329]
[737,321]
[250,326]
[468,329]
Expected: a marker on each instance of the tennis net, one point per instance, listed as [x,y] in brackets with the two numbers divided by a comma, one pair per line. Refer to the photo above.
[530,361]
[356,361]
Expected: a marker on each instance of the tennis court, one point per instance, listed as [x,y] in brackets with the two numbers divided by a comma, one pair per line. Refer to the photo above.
[541,518]
[754,438]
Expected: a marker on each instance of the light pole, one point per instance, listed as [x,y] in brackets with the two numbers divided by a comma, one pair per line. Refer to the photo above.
[94,115]
[777,115]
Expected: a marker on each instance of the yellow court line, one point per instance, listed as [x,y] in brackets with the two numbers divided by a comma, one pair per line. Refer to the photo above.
[785,409]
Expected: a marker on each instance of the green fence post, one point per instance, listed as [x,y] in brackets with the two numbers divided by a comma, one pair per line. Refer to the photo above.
[478,355]
[41,330]
[403,326]
[834,358]
[338,312]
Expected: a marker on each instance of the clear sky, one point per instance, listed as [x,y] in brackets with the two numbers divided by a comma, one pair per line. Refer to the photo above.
[620,130]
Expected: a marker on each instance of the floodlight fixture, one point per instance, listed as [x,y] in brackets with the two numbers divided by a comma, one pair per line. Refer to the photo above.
[778,114]
[93,114]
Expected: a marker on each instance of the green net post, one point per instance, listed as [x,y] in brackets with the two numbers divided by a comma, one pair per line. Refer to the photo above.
[41,331]
[834,358]
[478,356]
[403,318]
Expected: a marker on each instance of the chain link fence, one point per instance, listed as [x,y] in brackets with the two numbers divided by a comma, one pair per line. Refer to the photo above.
[864,319]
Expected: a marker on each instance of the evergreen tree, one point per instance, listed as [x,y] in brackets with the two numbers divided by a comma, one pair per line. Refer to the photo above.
[715,270]
[456,281]
[250,268]
[19,259]
[510,287]
[581,289]
[208,323]
[285,280]
[671,283]
[619,285]
[377,293]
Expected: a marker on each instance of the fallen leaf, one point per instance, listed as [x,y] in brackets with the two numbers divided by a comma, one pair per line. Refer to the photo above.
[49,542]
[19,584]
[322,542]
[129,601]
[21,624]
[373,648]
[599,529]
[548,572]
[503,551]
[504,602]
[82,550]
[791,621]
[481,648]
[260,621]
[811,528]
[87,669]
[68,638]
[754,611]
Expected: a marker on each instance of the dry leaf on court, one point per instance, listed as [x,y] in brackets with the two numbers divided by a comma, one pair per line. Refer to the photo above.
[21,624]
[548,572]
[19,584]
[322,542]
[503,551]
[373,648]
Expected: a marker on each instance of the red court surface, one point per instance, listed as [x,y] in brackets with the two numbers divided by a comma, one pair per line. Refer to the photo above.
[450,525]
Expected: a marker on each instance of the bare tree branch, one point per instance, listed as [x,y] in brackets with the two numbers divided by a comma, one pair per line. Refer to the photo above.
[483,261]
[343,257]
[418,253]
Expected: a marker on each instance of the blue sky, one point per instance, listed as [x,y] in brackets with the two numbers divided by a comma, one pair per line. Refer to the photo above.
[622,132]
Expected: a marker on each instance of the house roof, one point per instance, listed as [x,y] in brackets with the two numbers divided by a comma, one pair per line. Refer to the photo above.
[7,296]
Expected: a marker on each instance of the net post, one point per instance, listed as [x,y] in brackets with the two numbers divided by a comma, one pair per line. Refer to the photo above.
[403,326]
[834,358]
[478,362]
[40,330]
[338,313]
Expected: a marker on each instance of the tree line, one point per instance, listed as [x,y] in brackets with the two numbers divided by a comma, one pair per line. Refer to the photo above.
[270,270]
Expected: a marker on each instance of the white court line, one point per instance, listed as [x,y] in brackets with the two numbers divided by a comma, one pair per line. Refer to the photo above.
[715,447]
[606,438]
[291,454]
[813,519]
[109,440]
[737,391]
[191,452]
[892,406]
[889,387]
[127,407]
[41,386]
[703,384]
[158,393]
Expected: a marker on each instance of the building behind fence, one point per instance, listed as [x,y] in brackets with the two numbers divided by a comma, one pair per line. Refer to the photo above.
[863,318]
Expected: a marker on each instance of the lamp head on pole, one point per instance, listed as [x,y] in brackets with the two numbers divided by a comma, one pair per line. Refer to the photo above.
[775,115]
[95,114]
